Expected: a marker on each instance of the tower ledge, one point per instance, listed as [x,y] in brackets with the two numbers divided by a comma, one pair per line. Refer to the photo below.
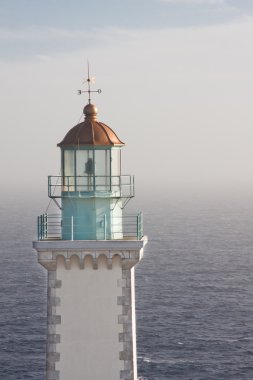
[89,253]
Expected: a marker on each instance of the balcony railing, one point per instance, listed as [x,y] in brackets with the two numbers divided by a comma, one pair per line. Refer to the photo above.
[91,185]
[53,227]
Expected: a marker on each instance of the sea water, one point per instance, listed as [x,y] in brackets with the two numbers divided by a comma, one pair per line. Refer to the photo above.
[194,291]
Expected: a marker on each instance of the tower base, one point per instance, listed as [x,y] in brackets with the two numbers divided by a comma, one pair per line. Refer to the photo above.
[91,308]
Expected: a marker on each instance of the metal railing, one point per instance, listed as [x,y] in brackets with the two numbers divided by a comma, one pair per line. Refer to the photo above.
[91,185]
[54,227]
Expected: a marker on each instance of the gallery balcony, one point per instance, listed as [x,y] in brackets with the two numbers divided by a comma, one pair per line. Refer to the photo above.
[91,186]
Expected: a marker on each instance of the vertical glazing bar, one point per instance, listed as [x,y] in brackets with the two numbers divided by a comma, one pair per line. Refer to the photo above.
[93,170]
[72,228]
[105,226]
[63,168]
[106,170]
[110,174]
[137,227]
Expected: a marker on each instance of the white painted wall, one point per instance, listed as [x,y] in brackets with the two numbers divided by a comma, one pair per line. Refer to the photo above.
[133,322]
[89,329]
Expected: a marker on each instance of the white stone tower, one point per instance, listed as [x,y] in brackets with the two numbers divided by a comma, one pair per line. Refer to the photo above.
[90,250]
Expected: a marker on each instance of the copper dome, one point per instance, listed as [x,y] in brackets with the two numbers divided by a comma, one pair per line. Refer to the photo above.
[91,132]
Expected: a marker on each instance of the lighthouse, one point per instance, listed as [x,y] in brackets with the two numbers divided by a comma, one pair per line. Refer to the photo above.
[89,250]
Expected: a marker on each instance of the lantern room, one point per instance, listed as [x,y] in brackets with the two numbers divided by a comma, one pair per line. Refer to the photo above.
[91,191]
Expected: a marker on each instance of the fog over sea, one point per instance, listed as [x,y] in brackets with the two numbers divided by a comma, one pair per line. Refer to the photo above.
[194,290]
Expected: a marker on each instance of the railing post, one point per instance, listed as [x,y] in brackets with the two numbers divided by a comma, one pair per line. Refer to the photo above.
[46,226]
[43,223]
[139,226]
[61,227]
[105,226]
[42,227]
[38,227]
[72,228]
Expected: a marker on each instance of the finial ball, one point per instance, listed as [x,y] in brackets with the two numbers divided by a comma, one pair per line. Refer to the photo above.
[90,110]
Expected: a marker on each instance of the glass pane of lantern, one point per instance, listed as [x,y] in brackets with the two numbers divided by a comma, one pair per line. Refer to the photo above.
[84,170]
[81,158]
[100,163]
[115,162]
[69,170]
[115,169]
[102,169]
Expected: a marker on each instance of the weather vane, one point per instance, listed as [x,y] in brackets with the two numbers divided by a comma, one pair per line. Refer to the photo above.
[89,80]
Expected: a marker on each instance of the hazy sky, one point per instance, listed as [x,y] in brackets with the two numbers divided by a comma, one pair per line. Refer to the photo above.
[176,79]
